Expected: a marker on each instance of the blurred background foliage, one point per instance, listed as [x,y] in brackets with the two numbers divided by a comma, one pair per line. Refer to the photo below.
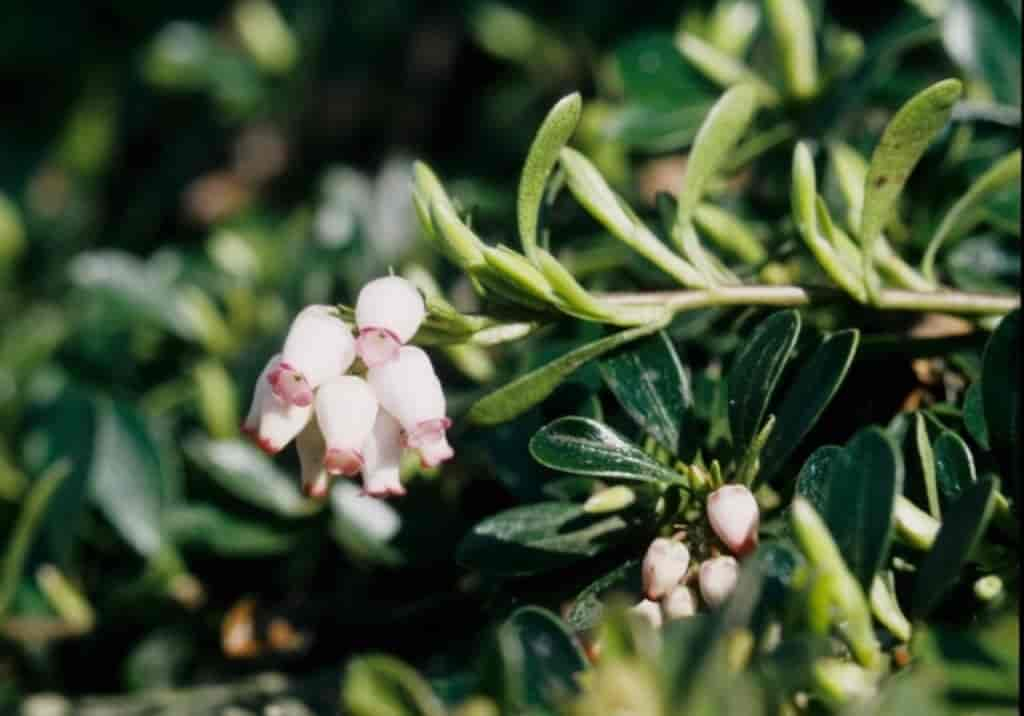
[177,179]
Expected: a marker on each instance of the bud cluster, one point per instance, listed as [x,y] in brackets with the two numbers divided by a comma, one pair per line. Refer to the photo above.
[344,424]
[667,570]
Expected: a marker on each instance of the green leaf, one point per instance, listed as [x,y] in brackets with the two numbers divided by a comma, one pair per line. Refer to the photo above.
[126,481]
[963,528]
[974,415]
[586,447]
[927,461]
[551,659]
[517,270]
[380,685]
[538,538]
[364,526]
[756,372]
[983,37]
[649,382]
[655,75]
[903,142]
[247,473]
[723,69]
[207,527]
[555,131]
[722,129]
[815,385]
[999,175]
[19,541]
[1000,388]
[954,466]
[518,396]
[854,490]
[588,606]
[793,31]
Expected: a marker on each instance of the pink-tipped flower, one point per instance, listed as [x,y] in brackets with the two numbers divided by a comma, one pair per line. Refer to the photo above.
[346,409]
[319,346]
[679,603]
[735,518]
[649,611]
[382,453]
[270,422]
[718,577]
[408,388]
[664,566]
[316,482]
[389,311]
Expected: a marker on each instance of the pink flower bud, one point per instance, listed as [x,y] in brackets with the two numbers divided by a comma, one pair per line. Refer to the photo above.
[270,422]
[319,346]
[718,577]
[316,482]
[735,517]
[649,611]
[383,455]
[679,603]
[408,389]
[346,409]
[664,566]
[389,311]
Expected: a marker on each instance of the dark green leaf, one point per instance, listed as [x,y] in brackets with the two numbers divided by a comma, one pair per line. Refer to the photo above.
[207,527]
[587,447]
[515,398]
[538,538]
[983,37]
[656,75]
[854,490]
[126,481]
[551,658]
[974,415]
[965,523]
[755,373]
[587,607]
[1000,387]
[806,399]
[649,382]
[954,466]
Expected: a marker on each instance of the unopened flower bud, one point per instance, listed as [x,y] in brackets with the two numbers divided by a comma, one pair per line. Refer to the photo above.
[271,422]
[612,499]
[664,566]
[408,389]
[319,346]
[679,603]
[389,311]
[346,409]
[316,482]
[649,611]
[718,577]
[735,517]
[383,455]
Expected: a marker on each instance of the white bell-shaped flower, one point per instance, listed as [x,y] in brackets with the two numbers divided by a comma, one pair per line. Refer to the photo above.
[408,388]
[679,603]
[316,481]
[718,577]
[346,409]
[735,517]
[271,422]
[319,346]
[382,455]
[664,566]
[389,311]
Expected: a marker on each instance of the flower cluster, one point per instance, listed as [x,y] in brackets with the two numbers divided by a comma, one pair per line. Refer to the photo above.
[667,571]
[344,423]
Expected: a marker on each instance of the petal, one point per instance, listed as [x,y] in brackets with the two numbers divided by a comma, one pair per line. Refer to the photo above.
[391,303]
[408,388]
[346,409]
[319,345]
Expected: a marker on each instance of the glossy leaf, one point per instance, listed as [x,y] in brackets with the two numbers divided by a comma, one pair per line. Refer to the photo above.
[588,606]
[816,383]
[974,415]
[551,659]
[954,466]
[1000,387]
[553,134]
[586,447]
[250,475]
[527,390]
[207,527]
[538,538]
[854,490]
[964,526]
[902,145]
[984,37]
[756,372]
[650,383]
